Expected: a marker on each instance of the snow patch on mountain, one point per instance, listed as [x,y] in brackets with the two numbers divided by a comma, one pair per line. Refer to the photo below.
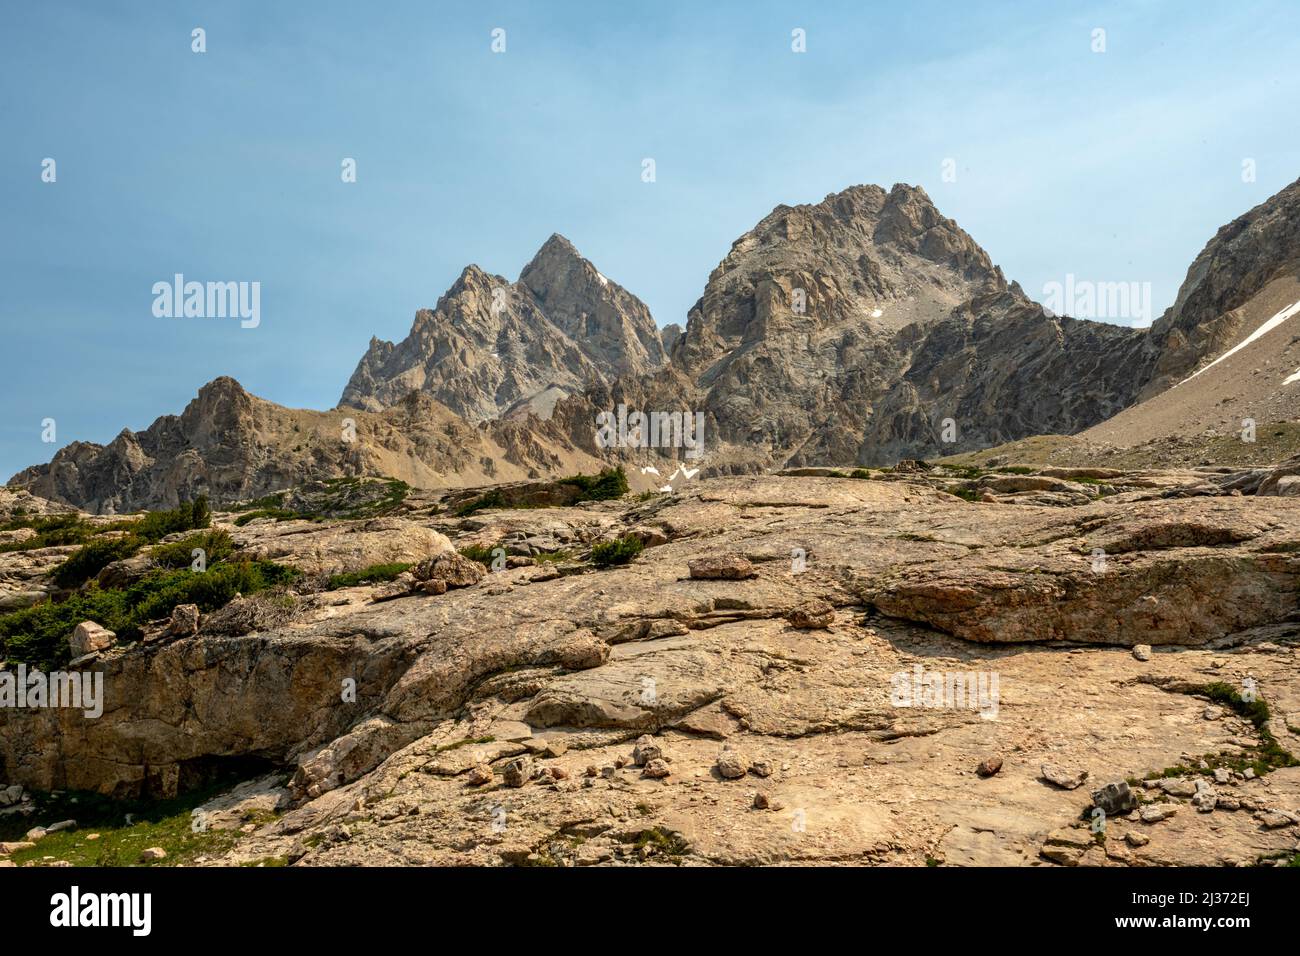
[1259,333]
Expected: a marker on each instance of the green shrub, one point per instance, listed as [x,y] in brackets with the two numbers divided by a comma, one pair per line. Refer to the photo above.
[38,635]
[605,554]
[279,514]
[191,516]
[88,560]
[492,499]
[338,498]
[51,531]
[154,596]
[552,557]
[610,483]
[215,544]
[480,553]
[374,574]
[99,553]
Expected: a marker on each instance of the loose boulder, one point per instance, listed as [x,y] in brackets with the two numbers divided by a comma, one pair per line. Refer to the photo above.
[722,567]
[89,638]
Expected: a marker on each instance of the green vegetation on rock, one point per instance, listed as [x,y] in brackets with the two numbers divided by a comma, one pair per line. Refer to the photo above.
[375,574]
[168,824]
[610,483]
[342,499]
[606,554]
[38,635]
[99,552]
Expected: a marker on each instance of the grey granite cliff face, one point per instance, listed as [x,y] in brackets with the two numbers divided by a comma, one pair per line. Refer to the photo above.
[491,345]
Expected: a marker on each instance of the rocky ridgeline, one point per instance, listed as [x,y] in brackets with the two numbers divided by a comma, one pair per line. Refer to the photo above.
[749,686]
[860,330]
[233,446]
[1242,259]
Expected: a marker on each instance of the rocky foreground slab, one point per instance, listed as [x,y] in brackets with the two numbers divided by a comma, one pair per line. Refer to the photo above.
[801,669]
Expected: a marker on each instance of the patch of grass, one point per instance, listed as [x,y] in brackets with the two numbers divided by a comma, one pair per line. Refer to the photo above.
[1014,470]
[964,493]
[165,823]
[1266,756]
[481,553]
[268,861]
[374,574]
[861,473]
[606,554]
[670,844]
[279,514]
[1256,711]
[552,557]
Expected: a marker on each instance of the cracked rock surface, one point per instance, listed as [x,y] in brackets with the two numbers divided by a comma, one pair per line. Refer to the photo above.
[791,716]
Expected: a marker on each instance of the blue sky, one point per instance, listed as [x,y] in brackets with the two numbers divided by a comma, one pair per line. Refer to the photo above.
[225,165]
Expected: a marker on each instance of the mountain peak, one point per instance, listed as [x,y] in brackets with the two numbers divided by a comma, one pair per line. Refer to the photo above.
[558,243]
[908,191]
[223,386]
[556,259]
[491,344]
[607,320]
